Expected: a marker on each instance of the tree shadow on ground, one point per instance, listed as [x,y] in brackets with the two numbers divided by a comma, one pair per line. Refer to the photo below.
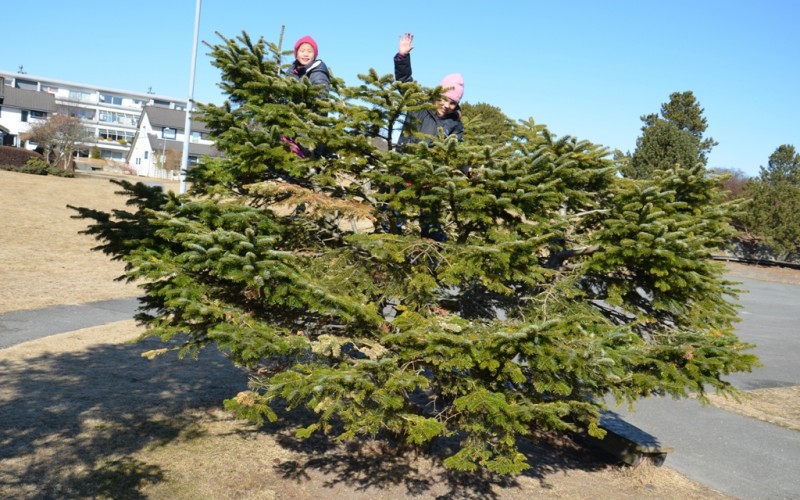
[377,465]
[70,423]
[383,466]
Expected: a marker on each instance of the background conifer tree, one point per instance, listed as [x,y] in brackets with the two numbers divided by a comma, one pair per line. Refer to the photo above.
[684,111]
[674,138]
[486,120]
[558,282]
[774,203]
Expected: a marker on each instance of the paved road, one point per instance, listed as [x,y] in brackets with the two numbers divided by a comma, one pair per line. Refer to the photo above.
[739,456]
[22,326]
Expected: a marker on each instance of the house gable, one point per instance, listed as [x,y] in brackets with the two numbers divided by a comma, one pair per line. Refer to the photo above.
[160,135]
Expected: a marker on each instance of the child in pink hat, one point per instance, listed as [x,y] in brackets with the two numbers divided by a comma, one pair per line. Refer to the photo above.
[446,115]
[306,63]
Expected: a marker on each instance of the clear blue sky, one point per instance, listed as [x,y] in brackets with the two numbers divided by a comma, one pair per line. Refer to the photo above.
[585,68]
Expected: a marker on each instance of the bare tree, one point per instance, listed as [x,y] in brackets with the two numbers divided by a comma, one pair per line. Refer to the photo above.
[60,136]
[733,181]
[171,160]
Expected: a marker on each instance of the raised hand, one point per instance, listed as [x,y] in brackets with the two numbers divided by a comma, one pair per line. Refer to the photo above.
[406,39]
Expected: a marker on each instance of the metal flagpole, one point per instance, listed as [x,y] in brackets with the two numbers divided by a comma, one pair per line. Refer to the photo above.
[187,129]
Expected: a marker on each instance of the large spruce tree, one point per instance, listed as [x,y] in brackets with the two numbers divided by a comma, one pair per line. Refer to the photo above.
[558,284]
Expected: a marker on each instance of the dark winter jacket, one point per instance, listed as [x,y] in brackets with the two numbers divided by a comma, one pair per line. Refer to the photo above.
[316,71]
[425,121]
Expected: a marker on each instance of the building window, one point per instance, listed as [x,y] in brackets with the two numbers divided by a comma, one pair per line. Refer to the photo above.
[80,95]
[24,116]
[111,99]
[169,133]
[115,135]
[27,84]
[120,118]
[196,137]
[82,113]
[146,154]
[38,114]
[112,155]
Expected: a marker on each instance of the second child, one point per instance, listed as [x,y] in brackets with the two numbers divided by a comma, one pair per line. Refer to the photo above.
[446,115]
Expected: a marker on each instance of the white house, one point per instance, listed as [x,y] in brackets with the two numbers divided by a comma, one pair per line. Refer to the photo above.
[158,144]
[20,109]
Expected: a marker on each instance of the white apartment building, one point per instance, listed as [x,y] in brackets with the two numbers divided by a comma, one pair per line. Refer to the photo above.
[112,115]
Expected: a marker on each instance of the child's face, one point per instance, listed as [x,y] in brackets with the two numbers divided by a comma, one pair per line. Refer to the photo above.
[445,105]
[305,53]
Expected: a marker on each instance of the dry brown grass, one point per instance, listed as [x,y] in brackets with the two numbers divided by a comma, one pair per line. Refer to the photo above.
[43,259]
[776,405]
[84,415]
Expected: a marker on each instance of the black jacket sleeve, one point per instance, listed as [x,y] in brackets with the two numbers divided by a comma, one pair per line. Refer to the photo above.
[402,67]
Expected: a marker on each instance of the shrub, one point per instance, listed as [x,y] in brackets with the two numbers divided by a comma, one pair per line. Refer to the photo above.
[38,166]
[11,157]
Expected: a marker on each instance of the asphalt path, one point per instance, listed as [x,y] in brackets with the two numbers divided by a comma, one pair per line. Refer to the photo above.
[740,456]
[736,455]
[21,326]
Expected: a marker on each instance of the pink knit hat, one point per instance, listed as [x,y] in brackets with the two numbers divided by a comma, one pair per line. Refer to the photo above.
[306,39]
[453,85]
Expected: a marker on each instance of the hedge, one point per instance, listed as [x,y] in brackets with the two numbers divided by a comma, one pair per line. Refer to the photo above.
[16,157]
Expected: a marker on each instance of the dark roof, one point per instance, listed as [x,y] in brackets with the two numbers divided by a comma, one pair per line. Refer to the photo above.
[29,99]
[195,149]
[173,118]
